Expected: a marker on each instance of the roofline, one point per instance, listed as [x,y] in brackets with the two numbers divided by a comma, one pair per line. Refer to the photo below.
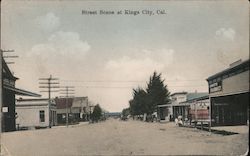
[227,70]
[165,105]
[72,97]
[21,92]
[178,93]
[8,69]
[81,97]
[196,99]
[41,99]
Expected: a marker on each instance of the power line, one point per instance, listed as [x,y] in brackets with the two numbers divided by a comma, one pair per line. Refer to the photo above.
[49,83]
[121,87]
[66,92]
[9,56]
[127,81]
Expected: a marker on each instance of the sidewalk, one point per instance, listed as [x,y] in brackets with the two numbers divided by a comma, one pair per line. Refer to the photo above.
[242,129]
[75,125]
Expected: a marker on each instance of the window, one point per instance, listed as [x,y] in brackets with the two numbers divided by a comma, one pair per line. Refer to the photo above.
[42,116]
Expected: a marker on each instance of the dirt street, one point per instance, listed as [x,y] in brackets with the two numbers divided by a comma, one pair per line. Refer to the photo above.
[114,137]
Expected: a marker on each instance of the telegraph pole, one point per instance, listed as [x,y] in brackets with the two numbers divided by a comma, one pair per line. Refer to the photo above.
[50,84]
[67,90]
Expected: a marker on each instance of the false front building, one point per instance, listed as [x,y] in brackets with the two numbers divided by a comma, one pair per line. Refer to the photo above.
[9,92]
[229,95]
[34,113]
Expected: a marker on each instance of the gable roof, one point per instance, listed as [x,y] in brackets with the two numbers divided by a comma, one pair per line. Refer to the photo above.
[6,71]
[7,74]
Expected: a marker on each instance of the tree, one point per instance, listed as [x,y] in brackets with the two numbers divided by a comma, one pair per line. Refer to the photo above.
[138,103]
[146,101]
[97,113]
[157,93]
[125,113]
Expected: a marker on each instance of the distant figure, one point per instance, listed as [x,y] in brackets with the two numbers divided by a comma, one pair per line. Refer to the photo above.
[176,121]
[180,123]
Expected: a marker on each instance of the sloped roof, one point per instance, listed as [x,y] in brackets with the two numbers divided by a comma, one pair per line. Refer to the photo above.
[176,93]
[18,91]
[8,75]
[34,102]
[6,71]
[191,96]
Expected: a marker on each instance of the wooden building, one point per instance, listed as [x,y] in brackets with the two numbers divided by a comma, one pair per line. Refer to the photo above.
[9,92]
[182,108]
[76,107]
[179,105]
[229,95]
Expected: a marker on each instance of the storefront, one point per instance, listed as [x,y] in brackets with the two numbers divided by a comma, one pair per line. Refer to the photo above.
[231,109]
[229,95]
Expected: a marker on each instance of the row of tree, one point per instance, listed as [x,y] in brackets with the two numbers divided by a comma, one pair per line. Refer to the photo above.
[145,101]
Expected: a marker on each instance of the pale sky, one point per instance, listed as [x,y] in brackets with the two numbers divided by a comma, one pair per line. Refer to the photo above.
[106,56]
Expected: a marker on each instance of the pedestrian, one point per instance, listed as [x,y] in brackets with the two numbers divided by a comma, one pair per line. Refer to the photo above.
[176,121]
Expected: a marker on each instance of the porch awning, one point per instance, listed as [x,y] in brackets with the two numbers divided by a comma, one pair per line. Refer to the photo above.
[182,104]
[21,91]
[166,105]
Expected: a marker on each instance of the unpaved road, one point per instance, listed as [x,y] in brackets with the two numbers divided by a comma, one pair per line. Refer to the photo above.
[114,137]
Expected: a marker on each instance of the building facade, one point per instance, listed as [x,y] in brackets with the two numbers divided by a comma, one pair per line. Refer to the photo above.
[229,95]
[199,109]
[179,105]
[77,109]
[9,92]
[34,113]
[182,107]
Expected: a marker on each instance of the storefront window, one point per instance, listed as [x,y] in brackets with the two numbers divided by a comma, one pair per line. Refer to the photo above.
[42,116]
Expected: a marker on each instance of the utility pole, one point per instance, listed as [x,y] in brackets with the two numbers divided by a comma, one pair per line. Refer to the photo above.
[67,90]
[49,83]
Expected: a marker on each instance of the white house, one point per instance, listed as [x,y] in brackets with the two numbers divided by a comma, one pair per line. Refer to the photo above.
[34,113]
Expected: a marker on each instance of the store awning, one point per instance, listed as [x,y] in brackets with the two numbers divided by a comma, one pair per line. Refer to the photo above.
[21,91]
[181,104]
